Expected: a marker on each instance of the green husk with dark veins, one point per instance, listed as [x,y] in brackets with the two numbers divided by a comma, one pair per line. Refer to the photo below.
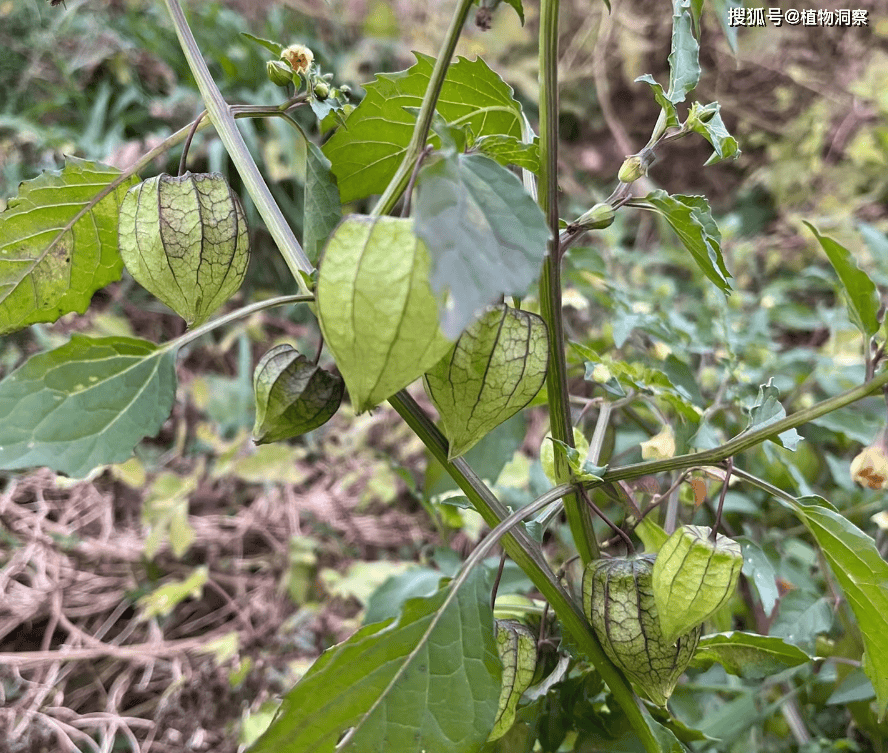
[517,649]
[619,600]
[494,370]
[184,239]
[293,395]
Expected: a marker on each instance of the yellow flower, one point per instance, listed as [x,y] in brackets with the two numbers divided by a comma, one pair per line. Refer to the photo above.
[870,467]
[660,446]
[299,57]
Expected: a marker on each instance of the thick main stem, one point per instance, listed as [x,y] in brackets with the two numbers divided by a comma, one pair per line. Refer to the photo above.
[222,119]
[579,516]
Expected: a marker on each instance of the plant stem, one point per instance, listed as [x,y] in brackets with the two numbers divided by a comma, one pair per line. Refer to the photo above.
[401,178]
[526,554]
[579,516]
[241,313]
[220,114]
[748,439]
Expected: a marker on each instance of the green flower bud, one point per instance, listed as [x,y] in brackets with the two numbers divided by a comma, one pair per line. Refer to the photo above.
[322,90]
[185,240]
[597,218]
[279,73]
[618,599]
[631,170]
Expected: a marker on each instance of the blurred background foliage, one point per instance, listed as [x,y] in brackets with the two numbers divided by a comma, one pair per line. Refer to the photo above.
[327,530]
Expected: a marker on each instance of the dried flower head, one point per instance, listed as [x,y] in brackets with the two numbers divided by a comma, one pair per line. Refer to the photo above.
[660,446]
[870,467]
[299,57]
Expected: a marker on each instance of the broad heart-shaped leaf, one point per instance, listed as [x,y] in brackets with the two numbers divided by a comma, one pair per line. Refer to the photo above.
[748,655]
[486,236]
[693,577]
[85,404]
[376,309]
[322,208]
[691,220]
[706,120]
[863,299]
[495,369]
[863,576]
[56,248]
[428,681]
[768,410]
[684,59]
[366,151]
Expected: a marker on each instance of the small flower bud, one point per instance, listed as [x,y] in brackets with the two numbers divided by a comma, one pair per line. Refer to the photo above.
[299,57]
[279,73]
[597,218]
[631,170]
[870,467]
[321,90]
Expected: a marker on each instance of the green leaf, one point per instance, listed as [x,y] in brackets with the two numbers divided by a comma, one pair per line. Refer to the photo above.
[508,150]
[684,59]
[519,9]
[863,298]
[612,373]
[693,577]
[580,469]
[863,576]
[163,600]
[706,120]
[376,309]
[547,452]
[322,208]
[386,601]
[428,681]
[57,247]
[691,220]
[487,237]
[767,410]
[366,152]
[651,534]
[662,100]
[855,687]
[274,47]
[722,13]
[85,404]
[758,567]
[495,369]
[165,512]
[748,655]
